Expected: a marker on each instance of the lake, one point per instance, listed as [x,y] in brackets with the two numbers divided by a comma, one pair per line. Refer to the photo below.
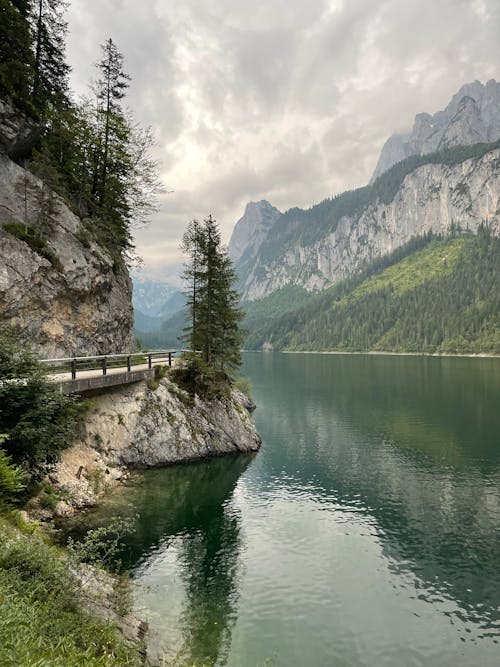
[366,532]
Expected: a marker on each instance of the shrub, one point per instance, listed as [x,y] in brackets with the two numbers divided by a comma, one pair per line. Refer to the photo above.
[12,478]
[37,420]
[196,377]
[244,385]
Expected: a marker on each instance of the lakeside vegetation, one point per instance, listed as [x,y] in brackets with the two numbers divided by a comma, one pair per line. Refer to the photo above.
[434,295]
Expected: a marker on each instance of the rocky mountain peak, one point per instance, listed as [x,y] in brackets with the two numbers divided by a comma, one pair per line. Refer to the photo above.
[251,229]
[472,116]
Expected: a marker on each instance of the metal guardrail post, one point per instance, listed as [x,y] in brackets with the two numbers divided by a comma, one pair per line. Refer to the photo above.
[73,369]
[128,363]
[150,364]
[104,366]
[170,358]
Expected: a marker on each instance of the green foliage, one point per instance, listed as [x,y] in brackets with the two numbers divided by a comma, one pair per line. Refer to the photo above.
[16,57]
[32,238]
[12,478]
[42,622]
[244,385]
[101,545]
[37,420]
[213,304]
[195,376]
[159,373]
[434,295]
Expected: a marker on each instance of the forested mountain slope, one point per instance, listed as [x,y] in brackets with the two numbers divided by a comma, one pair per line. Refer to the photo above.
[432,295]
[455,188]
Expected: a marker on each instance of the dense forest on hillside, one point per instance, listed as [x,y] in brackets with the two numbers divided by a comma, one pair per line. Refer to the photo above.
[432,295]
[91,151]
[306,226]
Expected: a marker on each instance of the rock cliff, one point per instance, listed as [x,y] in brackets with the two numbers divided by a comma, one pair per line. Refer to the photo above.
[251,229]
[65,294]
[307,249]
[135,426]
[472,116]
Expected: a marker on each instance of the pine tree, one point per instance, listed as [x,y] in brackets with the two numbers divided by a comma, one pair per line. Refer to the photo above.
[48,26]
[16,60]
[213,303]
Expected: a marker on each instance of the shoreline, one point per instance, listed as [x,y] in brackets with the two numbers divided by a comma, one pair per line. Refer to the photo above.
[470,355]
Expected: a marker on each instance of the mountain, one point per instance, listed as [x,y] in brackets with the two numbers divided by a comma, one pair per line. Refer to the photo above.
[150,296]
[455,188]
[442,175]
[431,295]
[471,117]
[251,230]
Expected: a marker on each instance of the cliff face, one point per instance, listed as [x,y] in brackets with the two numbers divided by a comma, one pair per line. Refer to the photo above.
[251,229]
[69,297]
[433,197]
[471,117]
[136,426]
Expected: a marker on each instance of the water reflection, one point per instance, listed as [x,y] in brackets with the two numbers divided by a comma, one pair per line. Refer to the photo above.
[413,443]
[187,508]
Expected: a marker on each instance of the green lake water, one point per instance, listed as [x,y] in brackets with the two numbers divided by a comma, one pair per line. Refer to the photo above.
[366,532]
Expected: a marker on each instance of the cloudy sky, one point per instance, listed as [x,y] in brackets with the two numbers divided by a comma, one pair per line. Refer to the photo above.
[285,100]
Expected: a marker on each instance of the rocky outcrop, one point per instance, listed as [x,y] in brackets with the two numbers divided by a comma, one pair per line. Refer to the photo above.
[251,229]
[69,297]
[136,426]
[18,132]
[472,116]
[434,197]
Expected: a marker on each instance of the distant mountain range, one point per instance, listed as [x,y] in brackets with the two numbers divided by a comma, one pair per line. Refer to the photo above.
[437,181]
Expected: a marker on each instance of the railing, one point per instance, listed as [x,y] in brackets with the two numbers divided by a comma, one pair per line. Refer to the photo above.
[109,361]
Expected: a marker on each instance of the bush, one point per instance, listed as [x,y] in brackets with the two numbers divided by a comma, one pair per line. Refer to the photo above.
[42,622]
[244,385]
[38,421]
[196,377]
[12,478]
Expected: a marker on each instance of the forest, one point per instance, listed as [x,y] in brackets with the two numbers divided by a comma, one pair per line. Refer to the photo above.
[90,151]
[434,295]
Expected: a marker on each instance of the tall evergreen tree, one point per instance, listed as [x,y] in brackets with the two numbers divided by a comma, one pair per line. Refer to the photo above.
[16,59]
[49,28]
[213,303]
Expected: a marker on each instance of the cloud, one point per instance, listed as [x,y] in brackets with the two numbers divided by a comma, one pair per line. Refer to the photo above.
[289,102]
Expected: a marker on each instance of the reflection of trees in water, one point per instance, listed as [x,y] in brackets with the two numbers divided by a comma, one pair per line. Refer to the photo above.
[194,502]
[410,444]
[209,568]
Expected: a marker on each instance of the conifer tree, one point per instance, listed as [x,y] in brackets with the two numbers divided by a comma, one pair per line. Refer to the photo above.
[16,60]
[50,83]
[213,303]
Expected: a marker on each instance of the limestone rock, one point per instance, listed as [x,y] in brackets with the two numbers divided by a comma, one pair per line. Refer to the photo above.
[433,197]
[79,306]
[251,229]
[136,426]
[18,132]
[472,116]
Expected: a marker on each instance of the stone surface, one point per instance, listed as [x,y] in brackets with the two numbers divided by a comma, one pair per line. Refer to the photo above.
[82,307]
[432,198]
[251,229]
[18,133]
[472,116]
[137,427]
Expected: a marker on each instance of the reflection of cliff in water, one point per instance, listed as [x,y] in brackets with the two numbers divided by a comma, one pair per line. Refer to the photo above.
[411,443]
[191,504]
[164,503]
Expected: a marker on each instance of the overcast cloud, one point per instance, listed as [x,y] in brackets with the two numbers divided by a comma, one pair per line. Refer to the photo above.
[285,100]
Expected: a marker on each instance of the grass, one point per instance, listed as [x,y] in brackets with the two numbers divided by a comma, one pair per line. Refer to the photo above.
[41,622]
